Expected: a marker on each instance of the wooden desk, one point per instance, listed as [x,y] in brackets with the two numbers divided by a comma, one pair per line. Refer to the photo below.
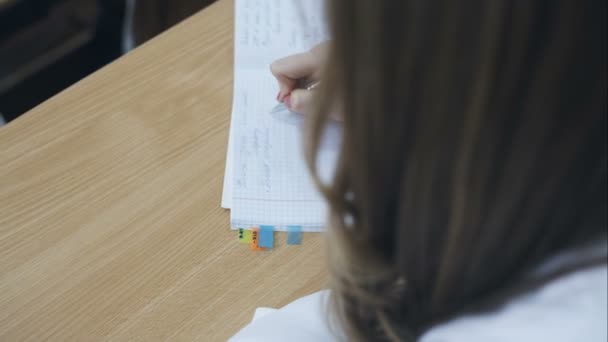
[110,224]
[5,3]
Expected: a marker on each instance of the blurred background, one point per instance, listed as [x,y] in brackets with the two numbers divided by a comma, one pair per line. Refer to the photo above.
[47,45]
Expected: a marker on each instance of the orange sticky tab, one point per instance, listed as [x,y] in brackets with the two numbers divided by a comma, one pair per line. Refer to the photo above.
[255,236]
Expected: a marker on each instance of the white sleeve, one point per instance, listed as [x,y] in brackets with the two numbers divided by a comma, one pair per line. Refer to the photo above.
[569,309]
[303,320]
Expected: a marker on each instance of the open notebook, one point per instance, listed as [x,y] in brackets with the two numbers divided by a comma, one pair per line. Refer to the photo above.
[266,181]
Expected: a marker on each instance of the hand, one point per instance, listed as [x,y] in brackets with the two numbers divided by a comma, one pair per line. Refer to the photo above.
[292,70]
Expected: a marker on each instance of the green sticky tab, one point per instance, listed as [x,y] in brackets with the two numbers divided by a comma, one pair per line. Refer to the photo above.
[244,235]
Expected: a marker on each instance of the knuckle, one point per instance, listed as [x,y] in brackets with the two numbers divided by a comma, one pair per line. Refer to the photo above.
[273,68]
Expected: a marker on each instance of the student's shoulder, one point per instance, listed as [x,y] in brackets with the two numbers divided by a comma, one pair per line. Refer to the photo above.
[570,308]
[302,320]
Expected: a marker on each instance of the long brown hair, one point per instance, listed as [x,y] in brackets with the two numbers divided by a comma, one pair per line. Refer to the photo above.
[474,148]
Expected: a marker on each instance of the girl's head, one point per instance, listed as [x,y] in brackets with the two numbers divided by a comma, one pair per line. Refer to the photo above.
[474,148]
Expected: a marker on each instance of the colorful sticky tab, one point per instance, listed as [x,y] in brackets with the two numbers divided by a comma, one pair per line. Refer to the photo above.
[266,238]
[294,235]
[244,235]
[254,244]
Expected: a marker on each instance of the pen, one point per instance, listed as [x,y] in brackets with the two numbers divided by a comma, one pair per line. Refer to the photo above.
[313,86]
[281,106]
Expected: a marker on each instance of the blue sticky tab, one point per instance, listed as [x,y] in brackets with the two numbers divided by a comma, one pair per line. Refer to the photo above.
[294,235]
[266,238]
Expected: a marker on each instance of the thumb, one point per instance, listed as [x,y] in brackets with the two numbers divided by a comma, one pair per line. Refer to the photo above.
[299,101]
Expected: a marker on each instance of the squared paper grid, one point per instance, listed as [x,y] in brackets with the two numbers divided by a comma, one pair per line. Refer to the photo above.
[291,199]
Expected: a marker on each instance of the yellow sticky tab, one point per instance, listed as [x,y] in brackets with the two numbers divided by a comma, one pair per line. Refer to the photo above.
[244,235]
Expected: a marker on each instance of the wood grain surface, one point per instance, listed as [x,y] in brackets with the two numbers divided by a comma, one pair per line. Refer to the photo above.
[110,218]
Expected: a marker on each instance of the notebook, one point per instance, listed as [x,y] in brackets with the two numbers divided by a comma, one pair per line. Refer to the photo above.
[266,180]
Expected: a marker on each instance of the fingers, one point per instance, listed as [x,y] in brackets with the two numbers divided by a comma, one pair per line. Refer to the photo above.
[290,69]
[293,70]
[299,101]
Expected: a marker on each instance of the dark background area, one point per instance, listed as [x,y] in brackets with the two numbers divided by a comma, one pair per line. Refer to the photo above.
[47,45]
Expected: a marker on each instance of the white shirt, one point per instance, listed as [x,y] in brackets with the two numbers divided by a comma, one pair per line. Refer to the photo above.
[571,308]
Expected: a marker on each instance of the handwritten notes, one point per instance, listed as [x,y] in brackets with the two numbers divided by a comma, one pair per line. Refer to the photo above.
[270,29]
[266,180]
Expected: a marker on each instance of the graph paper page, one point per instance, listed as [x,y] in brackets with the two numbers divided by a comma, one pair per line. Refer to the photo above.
[266,180]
